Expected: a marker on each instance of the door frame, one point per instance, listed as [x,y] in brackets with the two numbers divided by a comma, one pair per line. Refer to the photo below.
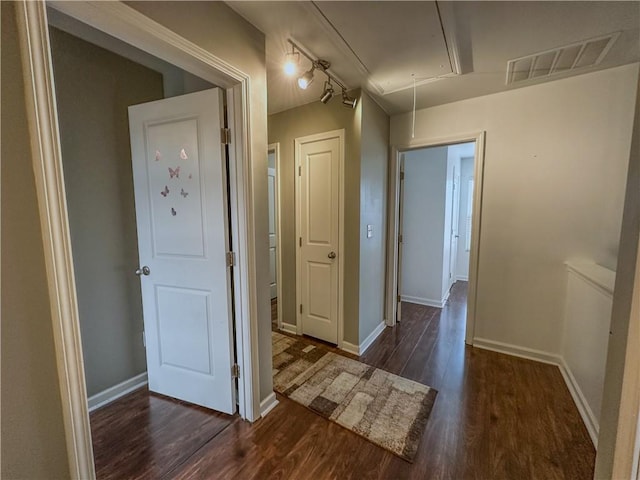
[131,26]
[476,222]
[275,147]
[298,142]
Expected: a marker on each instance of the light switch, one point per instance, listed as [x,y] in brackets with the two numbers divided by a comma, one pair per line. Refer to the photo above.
[369,231]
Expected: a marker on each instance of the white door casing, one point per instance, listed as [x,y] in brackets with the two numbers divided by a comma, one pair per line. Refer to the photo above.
[319,161]
[273,237]
[455,219]
[181,211]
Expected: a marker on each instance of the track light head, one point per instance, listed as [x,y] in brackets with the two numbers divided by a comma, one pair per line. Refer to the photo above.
[305,80]
[327,94]
[348,101]
[291,61]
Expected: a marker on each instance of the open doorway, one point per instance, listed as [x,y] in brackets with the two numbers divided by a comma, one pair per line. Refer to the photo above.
[435,222]
[275,268]
[455,246]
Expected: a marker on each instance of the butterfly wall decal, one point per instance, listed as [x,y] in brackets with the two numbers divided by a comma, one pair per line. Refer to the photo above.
[183,155]
[158,155]
[165,192]
[173,211]
[183,193]
[174,173]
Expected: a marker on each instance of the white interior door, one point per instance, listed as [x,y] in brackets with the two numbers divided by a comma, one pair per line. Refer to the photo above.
[319,162]
[273,239]
[181,209]
[455,218]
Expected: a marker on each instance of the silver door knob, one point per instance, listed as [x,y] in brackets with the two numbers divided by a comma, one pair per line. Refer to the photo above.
[143,271]
[332,255]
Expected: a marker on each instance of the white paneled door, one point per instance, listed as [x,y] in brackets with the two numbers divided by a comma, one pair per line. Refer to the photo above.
[318,160]
[179,178]
[273,240]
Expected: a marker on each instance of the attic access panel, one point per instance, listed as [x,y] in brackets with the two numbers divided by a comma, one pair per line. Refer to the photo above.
[393,40]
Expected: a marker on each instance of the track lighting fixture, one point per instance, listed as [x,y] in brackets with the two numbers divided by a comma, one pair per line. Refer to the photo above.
[327,94]
[305,80]
[348,101]
[292,60]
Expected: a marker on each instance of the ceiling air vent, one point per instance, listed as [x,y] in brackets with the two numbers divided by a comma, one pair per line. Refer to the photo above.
[560,60]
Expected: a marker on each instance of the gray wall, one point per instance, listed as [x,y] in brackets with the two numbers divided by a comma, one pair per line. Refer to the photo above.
[373,211]
[32,431]
[423,224]
[94,87]
[466,174]
[284,128]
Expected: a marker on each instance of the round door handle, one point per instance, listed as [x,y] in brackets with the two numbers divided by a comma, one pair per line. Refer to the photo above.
[143,271]
[332,255]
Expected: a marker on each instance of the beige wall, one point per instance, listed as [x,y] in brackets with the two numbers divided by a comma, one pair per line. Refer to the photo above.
[556,161]
[284,128]
[32,432]
[373,211]
[94,87]
[218,29]
[620,315]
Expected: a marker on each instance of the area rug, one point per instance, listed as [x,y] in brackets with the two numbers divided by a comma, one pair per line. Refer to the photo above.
[386,409]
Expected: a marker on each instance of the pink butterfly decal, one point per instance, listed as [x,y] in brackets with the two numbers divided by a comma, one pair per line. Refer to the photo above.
[165,192]
[183,155]
[174,173]
[173,211]
[183,193]
[158,155]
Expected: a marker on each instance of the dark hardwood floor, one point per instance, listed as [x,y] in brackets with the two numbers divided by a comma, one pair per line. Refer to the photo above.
[495,417]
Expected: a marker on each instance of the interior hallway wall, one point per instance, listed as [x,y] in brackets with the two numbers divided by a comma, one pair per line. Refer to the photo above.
[32,436]
[94,87]
[556,159]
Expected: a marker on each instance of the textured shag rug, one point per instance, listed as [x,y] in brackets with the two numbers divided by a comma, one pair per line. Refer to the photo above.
[386,409]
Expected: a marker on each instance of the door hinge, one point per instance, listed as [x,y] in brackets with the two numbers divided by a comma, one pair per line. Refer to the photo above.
[231,259]
[398,298]
[299,170]
[399,238]
[225,136]
[300,241]
[300,308]
[401,175]
[235,371]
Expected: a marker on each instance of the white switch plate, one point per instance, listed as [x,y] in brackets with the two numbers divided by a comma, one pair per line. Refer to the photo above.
[369,231]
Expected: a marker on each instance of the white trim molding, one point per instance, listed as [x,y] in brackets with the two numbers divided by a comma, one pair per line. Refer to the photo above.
[351,348]
[367,342]
[134,28]
[423,301]
[580,400]
[517,351]
[268,404]
[275,148]
[289,328]
[120,390]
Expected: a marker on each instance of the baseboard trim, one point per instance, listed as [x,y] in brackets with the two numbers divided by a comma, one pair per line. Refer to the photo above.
[268,404]
[113,393]
[423,301]
[350,348]
[588,418]
[517,351]
[460,278]
[372,337]
[579,399]
[287,327]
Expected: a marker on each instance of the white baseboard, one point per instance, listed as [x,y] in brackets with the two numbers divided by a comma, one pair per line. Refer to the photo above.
[360,349]
[268,404]
[588,418]
[460,278]
[517,351]
[579,399]
[113,393]
[371,338]
[423,301]
[287,327]
[350,347]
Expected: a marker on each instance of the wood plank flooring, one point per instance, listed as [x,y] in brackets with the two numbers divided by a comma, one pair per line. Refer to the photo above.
[495,417]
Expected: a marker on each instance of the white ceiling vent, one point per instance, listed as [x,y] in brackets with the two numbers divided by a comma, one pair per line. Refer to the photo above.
[560,60]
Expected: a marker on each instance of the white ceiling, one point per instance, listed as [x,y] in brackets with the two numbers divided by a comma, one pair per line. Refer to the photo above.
[454,50]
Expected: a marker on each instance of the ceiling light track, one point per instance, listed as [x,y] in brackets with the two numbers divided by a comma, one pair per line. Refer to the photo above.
[307,77]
